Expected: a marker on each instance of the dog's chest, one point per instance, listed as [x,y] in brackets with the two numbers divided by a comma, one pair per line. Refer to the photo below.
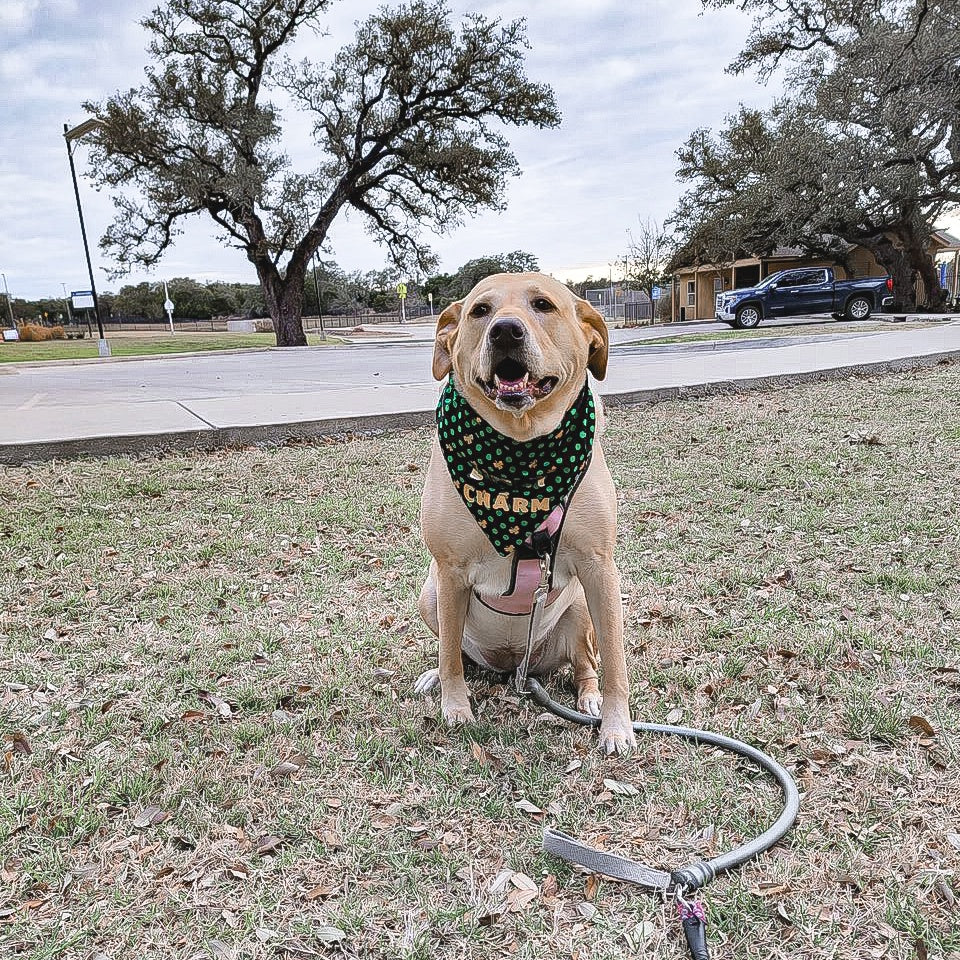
[497,640]
[493,575]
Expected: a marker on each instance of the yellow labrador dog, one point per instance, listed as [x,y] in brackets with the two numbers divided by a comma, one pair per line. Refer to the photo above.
[516,459]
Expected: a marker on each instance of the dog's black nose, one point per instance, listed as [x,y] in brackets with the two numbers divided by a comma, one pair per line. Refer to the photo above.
[507,331]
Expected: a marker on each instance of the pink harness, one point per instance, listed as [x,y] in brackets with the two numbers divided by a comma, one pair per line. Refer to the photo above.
[520,600]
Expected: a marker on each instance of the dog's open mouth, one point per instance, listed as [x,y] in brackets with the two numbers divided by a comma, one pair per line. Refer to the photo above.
[513,385]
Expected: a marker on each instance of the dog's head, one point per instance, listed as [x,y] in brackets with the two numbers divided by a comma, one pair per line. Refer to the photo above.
[519,345]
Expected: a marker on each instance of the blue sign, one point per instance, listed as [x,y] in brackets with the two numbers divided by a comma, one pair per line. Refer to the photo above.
[656,293]
[943,274]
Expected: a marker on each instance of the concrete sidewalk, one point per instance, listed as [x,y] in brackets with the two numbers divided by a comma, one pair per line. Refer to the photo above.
[217,414]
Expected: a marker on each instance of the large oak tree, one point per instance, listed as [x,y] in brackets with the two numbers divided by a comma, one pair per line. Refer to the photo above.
[408,123]
[864,147]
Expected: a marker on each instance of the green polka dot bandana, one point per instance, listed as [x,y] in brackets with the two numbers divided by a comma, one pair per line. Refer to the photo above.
[510,486]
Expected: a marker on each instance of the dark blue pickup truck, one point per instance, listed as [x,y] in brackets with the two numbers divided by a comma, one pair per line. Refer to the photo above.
[810,290]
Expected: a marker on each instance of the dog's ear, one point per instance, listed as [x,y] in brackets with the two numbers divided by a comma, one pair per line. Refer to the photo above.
[598,336]
[447,324]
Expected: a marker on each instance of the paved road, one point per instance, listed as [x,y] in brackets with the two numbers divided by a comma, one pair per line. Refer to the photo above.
[205,376]
[205,400]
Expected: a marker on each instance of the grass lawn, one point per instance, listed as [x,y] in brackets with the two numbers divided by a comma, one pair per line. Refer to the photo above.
[791,330]
[140,345]
[212,750]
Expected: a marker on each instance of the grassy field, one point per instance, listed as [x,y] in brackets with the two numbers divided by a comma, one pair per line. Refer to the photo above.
[140,345]
[211,749]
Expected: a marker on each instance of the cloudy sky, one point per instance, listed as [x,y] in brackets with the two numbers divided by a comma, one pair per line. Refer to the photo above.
[631,78]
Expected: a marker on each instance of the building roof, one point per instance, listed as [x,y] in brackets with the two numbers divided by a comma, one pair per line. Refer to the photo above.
[946,240]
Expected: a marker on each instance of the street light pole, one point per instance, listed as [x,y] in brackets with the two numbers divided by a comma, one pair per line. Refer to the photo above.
[6,289]
[613,306]
[70,135]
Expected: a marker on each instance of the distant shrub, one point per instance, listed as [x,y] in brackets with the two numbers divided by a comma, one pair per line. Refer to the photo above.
[58,333]
[33,332]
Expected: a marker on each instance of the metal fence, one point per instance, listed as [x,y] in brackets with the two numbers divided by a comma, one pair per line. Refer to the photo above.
[336,321]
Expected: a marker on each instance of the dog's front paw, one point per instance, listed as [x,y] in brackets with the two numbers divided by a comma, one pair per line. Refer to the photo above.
[456,708]
[616,736]
[589,700]
[427,682]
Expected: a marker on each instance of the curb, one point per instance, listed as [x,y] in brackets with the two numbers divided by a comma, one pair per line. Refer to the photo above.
[277,434]
[82,361]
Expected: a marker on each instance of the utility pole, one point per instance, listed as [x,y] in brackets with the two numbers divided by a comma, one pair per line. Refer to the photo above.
[13,323]
[70,135]
[168,305]
[66,300]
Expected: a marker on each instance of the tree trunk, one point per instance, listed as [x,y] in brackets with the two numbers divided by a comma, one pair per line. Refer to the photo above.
[895,262]
[918,254]
[284,299]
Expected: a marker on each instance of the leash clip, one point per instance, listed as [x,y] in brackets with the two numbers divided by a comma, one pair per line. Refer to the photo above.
[693,918]
[543,587]
[539,602]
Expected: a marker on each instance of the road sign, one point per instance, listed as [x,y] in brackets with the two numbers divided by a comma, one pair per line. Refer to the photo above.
[402,291]
[168,305]
[656,293]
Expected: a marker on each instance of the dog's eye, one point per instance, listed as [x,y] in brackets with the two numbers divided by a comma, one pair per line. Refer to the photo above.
[543,305]
[480,309]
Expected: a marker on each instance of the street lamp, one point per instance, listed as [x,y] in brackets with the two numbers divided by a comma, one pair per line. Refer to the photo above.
[71,135]
[613,305]
[13,323]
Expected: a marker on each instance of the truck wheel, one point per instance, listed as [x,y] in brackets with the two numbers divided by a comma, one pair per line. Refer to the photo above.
[858,308]
[747,317]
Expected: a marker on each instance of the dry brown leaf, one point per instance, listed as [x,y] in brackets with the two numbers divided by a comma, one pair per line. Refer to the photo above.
[522,882]
[922,724]
[149,816]
[500,881]
[320,892]
[19,744]
[220,950]
[268,844]
[518,900]
[285,768]
[621,788]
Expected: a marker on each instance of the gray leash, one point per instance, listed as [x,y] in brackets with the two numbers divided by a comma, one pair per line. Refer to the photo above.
[690,878]
[684,880]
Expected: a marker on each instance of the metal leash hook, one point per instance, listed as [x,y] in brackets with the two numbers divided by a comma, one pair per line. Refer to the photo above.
[693,917]
[539,602]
